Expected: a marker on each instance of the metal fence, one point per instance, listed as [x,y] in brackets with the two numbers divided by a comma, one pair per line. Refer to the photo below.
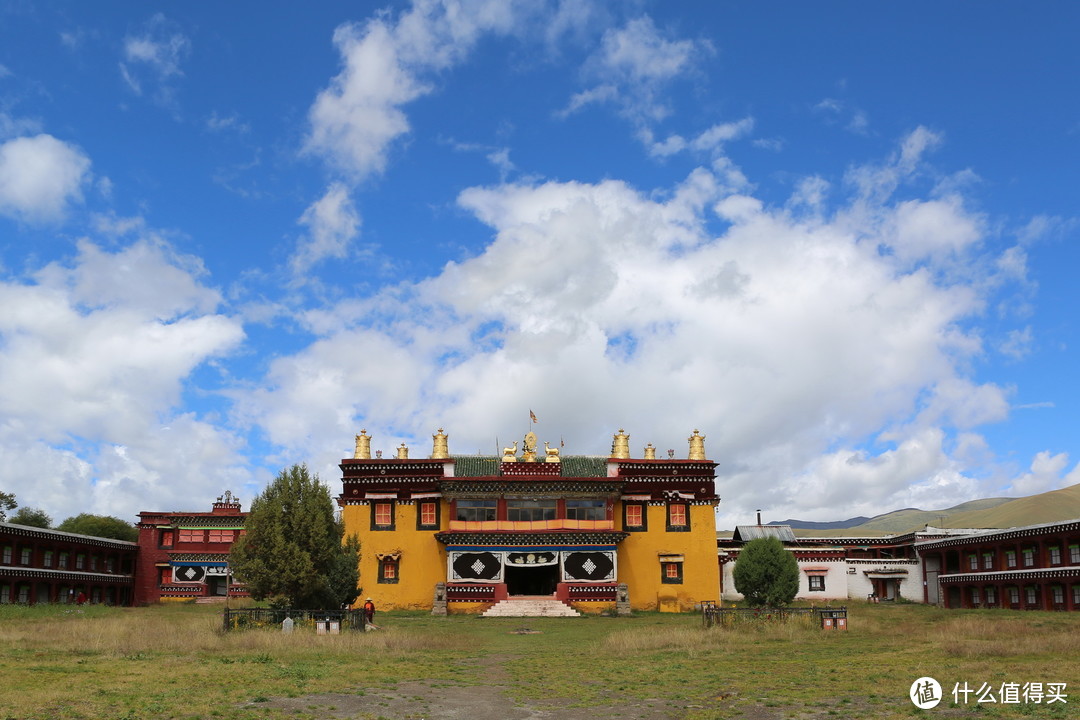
[825,617]
[257,618]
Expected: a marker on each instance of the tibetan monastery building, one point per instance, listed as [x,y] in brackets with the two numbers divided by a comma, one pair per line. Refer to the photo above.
[461,533]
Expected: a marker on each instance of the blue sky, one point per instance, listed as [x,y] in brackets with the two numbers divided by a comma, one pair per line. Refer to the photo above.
[839,239]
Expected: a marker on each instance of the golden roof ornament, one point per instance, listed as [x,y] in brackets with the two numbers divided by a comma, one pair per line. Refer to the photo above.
[528,453]
[363,446]
[510,453]
[403,452]
[697,446]
[620,445]
[440,449]
[551,453]
[650,452]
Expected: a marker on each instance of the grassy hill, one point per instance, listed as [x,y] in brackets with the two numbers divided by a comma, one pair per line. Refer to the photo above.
[1053,506]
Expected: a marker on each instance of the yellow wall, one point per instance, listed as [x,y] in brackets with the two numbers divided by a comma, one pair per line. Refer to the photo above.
[422,564]
[639,561]
[423,561]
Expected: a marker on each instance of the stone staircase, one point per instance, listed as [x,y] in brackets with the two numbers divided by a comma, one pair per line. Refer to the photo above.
[531,606]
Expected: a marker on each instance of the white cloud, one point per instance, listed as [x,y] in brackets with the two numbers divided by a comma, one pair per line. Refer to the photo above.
[94,354]
[154,56]
[332,223]
[633,64]
[40,177]
[599,305]
[1047,473]
[354,121]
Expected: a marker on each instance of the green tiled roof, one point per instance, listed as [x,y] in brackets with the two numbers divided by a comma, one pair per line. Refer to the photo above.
[584,466]
[488,466]
[476,465]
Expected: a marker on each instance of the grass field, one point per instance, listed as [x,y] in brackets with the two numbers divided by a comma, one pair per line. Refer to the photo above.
[173,662]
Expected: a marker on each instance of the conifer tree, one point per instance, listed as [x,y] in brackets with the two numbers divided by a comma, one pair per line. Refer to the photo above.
[292,552]
[766,573]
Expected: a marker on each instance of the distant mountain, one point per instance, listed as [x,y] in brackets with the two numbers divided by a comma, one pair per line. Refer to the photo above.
[810,525]
[998,512]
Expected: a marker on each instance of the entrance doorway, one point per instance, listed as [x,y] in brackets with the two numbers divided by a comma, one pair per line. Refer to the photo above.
[536,580]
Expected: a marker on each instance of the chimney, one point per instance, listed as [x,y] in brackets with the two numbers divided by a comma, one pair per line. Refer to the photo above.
[759,516]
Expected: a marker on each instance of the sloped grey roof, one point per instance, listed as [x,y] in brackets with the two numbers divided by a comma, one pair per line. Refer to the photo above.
[746,533]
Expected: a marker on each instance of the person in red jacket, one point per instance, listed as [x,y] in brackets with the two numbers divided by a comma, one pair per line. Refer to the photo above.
[369,612]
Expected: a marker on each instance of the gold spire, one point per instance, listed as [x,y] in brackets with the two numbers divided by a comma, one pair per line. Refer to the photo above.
[363,446]
[620,445]
[650,452]
[697,446]
[403,452]
[440,449]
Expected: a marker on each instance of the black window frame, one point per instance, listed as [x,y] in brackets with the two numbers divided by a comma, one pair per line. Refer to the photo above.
[597,504]
[644,526]
[665,579]
[383,562]
[393,515]
[420,524]
[488,505]
[677,528]
[811,580]
[549,510]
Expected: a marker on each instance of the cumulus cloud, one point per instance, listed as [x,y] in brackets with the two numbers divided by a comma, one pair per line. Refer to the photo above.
[40,177]
[600,305]
[1047,472]
[94,353]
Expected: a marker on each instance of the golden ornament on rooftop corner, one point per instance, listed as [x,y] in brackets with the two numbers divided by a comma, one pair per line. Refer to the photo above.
[697,446]
[620,445]
[440,449]
[363,446]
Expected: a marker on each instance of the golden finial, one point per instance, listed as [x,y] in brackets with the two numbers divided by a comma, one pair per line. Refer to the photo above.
[403,452]
[440,449]
[551,454]
[620,445]
[650,452]
[363,446]
[697,446]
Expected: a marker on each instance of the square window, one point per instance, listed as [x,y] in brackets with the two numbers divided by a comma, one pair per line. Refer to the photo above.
[635,517]
[220,536]
[817,583]
[165,538]
[191,536]
[382,516]
[671,573]
[388,571]
[427,515]
[678,517]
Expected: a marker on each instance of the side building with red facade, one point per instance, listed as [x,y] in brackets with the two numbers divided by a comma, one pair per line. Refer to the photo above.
[50,566]
[1034,567]
[185,555]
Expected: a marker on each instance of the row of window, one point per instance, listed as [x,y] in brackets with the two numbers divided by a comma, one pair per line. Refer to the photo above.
[1026,557]
[635,515]
[186,535]
[63,560]
[1031,595]
[671,572]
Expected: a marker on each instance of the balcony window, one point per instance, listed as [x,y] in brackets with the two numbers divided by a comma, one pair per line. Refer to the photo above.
[475,510]
[530,510]
[586,510]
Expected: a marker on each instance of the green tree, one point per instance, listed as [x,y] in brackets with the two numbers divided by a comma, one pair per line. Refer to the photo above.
[766,573]
[105,526]
[32,517]
[7,502]
[292,552]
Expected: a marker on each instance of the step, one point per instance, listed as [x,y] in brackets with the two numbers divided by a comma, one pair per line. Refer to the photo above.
[531,607]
